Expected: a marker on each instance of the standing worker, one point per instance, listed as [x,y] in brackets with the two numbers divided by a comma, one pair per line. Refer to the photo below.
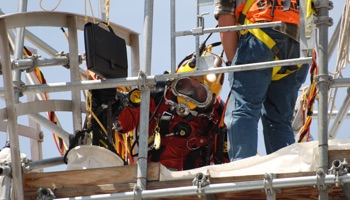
[271,93]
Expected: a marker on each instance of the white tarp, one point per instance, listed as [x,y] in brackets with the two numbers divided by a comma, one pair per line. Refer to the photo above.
[91,156]
[298,157]
[5,159]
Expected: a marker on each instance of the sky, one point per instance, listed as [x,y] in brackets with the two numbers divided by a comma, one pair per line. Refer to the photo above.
[130,14]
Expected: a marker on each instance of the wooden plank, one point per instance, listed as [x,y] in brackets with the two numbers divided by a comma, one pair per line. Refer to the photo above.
[87,177]
[337,154]
[122,179]
[300,193]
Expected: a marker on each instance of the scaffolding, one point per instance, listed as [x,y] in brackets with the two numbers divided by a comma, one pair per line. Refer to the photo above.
[141,76]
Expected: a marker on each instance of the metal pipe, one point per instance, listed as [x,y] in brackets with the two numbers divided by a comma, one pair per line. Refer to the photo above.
[74,71]
[12,116]
[172,35]
[102,8]
[5,170]
[50,126]
[25,131]
[334,39]
[11,111]
[340,116]
[230,28]
[220,188]
[28,63]
[323,85]
[19,44]
[6,188]
[332,115]
[145,92]
[340,82]
[40,43]
[40,164]
[151,80]
[197,36]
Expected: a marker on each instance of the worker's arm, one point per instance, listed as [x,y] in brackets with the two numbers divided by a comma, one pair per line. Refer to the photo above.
[229,39]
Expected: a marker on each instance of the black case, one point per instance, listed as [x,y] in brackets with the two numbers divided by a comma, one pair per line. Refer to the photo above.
[105,51]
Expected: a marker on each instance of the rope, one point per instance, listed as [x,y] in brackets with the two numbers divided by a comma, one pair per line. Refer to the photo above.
[85,12]
[41,6]
[107,11]
[304,132]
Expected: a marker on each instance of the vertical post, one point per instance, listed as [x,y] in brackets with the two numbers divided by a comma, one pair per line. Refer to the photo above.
[19,41]
[6,187]
[145,92]
[172,35]
[74,70]
[323,85]
[197,36]
[103,9]
[135,54]
[11,112]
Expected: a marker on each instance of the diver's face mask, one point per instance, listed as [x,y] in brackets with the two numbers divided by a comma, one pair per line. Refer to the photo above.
[190,94]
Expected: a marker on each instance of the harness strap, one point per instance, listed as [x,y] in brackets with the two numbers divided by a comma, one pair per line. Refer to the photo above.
[267,40]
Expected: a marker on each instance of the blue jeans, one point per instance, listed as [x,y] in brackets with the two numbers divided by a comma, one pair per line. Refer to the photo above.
[255,96]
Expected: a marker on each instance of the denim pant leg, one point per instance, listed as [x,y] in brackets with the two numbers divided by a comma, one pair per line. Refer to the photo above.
[248,94]
[278,110]
[280,100]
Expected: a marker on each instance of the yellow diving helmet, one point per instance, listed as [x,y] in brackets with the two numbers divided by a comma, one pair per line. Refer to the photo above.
[198,91]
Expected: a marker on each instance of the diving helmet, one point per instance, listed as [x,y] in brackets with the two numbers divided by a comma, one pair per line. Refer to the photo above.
[198,91]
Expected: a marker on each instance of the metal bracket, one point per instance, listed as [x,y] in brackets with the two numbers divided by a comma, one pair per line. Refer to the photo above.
[268,187]
[318,4]
[45,194]
[62,54]
[321,185]
[323,19]
[142,80]
[19,87]
[137,192]
[200,28]
[323,78]
[34,58]
[201,180]
[338,169]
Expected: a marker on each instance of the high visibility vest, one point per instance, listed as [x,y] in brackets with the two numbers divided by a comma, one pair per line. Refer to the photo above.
[257,11]
[260,10]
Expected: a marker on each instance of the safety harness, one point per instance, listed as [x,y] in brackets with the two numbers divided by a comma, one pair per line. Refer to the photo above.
[288,29]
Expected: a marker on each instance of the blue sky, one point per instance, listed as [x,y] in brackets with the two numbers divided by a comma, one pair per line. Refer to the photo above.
[130,14]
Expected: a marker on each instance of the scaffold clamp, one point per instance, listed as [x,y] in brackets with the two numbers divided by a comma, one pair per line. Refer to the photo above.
[201,180]
[34,58]
[142,80]
[321,185]
[137,192]
[268,187]
[339,168]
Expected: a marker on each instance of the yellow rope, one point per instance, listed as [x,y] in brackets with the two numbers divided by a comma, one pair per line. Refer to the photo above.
[108,4]
[92,12]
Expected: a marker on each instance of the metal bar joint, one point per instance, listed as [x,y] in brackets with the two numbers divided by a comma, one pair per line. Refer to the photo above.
[339,168]
[34,58]
[268,187]
[137,192]
[321,179]
[201,180]
[19,87]
[323,78]
[200,22]
[142,80]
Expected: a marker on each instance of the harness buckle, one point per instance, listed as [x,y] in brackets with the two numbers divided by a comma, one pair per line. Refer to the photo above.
[291,30]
